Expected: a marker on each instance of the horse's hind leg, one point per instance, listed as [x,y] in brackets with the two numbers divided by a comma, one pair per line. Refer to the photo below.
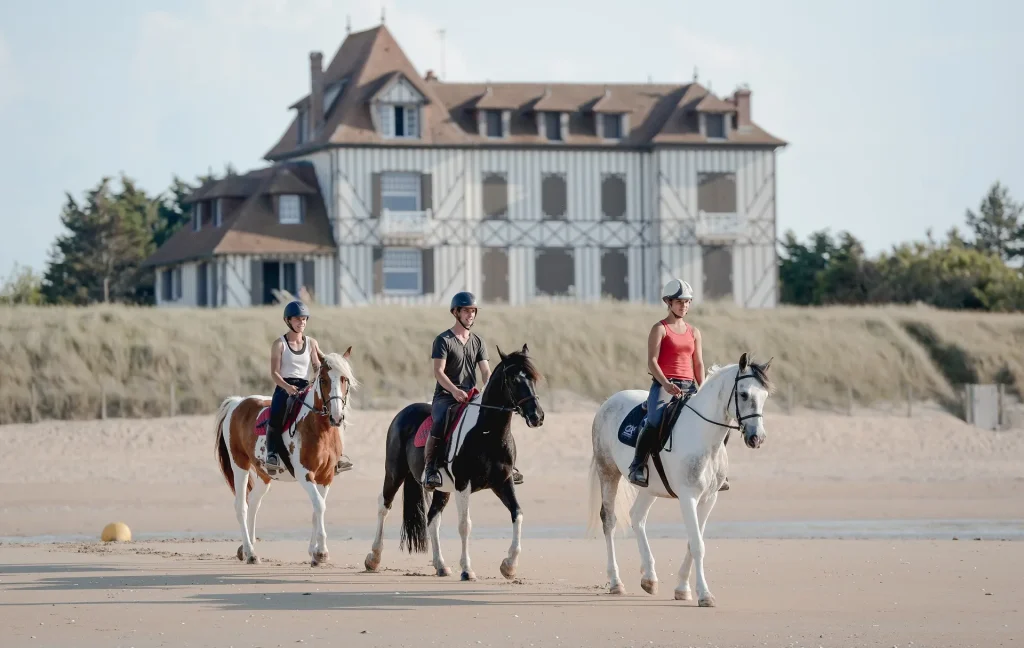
[259,489]
[392,482]
[318,539]
[507,493]
[683,592]
[437,504]
[693,529]
[248,552]
[319,508]
[465,526]
[609,491]
[638,514]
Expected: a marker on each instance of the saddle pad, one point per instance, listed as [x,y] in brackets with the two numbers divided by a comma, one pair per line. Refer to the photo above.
[423,431]
[630,428]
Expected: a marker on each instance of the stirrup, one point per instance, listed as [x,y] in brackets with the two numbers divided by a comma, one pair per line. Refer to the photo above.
[273,464]
[432,479]
[343,465]
[517,477]
[638,476]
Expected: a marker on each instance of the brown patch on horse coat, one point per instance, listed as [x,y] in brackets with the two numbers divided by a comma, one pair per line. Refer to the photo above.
[321,446]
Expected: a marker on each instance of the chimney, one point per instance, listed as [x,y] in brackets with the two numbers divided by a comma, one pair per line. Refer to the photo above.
[430,76]
[316,92]
[742,99]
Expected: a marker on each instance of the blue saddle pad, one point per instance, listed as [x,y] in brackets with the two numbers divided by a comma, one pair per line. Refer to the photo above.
[630,428]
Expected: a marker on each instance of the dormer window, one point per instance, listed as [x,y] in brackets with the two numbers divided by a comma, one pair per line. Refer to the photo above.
[303,135]
[197,217]
[715,125]
[553,126]
[611,126]
[400,121]
[289,209]
[493,123]
[218,212]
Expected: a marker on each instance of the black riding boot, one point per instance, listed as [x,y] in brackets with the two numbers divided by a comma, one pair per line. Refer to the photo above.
[638,469]
[431,477]
[274,443]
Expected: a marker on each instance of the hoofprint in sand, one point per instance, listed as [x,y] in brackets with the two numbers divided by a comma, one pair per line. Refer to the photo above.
[813,468]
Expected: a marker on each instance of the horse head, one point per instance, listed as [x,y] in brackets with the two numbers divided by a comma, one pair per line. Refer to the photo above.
[518,379]
[750,390]
[335,381]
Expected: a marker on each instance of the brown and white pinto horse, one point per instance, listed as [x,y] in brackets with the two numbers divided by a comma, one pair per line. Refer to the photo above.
[313,443]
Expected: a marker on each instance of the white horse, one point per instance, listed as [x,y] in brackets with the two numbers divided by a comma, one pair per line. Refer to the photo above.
[695,466]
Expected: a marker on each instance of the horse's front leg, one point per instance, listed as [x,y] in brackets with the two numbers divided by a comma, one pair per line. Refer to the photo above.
[703,511]
[638,516]
[688,504]
[316,494]
[506,492]
[439,501]
[259,489]
[465,526]
[246,552]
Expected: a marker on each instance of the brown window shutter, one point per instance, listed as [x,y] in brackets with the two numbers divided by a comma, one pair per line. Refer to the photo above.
[309,276]
[256,283]
[378,270]
[377,197]
[427,262]
[426,191]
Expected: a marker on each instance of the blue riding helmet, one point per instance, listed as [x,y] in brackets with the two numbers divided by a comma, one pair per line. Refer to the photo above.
[462,300]
[295,309]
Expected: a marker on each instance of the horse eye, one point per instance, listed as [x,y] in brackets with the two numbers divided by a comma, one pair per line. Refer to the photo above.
[744,396]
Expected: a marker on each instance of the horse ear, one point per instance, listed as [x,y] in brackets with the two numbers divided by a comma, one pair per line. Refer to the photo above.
[347,353]
[500,354]
[525,349]
[743,361]
[764,367]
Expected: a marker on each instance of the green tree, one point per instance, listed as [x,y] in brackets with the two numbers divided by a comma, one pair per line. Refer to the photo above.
[997,226]
[98,259]
[23,286]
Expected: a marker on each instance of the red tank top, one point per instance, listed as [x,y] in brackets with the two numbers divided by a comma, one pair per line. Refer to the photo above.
[675,357]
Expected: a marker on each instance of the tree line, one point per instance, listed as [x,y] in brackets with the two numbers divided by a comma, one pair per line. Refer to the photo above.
[111,231]
[979,270]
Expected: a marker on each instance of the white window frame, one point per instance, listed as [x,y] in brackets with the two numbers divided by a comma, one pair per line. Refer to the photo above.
[393,178]
[707,126]
[404,261]
[218,212]
[292,215]
[410,114]
[197,216]
[615,118]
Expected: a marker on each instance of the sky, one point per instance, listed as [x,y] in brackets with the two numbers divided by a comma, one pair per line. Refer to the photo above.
[900,114]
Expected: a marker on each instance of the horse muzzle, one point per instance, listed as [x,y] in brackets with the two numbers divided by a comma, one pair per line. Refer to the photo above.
[754,440]
[336,422]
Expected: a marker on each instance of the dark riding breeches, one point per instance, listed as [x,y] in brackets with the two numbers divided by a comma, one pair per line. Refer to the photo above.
[277,412]
[439,412]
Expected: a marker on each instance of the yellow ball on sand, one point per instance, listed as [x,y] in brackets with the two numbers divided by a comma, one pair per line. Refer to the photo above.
[116,532]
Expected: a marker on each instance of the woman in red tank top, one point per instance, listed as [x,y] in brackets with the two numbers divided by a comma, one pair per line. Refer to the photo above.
[675,360]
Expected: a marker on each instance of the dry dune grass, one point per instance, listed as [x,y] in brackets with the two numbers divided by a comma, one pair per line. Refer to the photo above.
[61,358]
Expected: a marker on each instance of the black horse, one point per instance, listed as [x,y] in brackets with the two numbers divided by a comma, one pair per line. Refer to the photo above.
[486,453]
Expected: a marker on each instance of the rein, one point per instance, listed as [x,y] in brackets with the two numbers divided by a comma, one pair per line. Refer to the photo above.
[517,408]
[732,399]
[325,410]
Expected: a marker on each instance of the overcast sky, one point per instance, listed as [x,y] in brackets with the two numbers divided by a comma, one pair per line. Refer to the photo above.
[899,113]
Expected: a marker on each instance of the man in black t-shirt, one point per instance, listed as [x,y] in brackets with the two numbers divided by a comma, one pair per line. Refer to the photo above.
[456,355]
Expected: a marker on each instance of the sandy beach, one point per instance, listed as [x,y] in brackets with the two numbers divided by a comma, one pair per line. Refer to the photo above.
[868,530]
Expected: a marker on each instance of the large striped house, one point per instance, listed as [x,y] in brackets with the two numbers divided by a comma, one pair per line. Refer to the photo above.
[389,186]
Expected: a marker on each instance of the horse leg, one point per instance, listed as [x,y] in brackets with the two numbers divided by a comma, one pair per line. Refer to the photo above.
[392,482]
[506,492]
[319,507]
[437,504]
[247,552]
[693,529]
[609,491]
[703,511]
[465,526]
[259,489]
[638,516]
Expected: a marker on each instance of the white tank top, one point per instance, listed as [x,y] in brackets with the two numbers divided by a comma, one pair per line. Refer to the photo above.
[295,365]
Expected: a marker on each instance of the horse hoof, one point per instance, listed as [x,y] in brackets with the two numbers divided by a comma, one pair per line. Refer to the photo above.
[240,554]
[444,571]
[649,586]
[468,576]
[319,558]
[507,570]
[617,589]
[253,560]
[683,595]
[707,601]
[372,562]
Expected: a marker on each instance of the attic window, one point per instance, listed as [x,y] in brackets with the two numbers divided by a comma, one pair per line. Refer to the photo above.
[494,123]
[218,212]
[553,126]
[303,126]
[197,217]
[612,125]
[715,125]
[289,209]
[399,121]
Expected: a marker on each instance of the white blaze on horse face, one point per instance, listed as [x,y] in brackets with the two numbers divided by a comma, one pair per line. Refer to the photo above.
[753,428]
[336,395]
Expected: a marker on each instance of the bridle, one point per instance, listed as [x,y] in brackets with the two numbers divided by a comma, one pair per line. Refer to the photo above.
[325,410]
[517,407]
[734,398]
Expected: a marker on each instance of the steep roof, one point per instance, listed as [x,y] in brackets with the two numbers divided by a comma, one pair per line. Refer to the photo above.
[250,224]
[367,61]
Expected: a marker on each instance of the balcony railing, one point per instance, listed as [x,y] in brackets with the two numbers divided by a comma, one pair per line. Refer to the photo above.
[404,224]
[720,226]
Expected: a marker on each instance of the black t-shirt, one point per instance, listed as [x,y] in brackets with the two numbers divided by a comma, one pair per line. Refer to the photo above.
[460,360]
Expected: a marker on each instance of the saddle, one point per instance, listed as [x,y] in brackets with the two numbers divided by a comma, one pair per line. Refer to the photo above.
[453,416]
[292,408]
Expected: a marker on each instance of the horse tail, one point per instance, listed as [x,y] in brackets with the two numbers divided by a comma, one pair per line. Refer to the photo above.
[414,517]
[221,446]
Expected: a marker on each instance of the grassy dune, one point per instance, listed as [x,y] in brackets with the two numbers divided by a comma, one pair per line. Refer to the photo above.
[63,359]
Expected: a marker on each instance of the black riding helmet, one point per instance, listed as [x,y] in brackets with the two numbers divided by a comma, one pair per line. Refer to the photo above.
[295,309]
[462,300]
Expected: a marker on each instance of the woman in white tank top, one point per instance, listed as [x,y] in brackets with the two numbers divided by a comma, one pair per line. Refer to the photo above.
[291,357]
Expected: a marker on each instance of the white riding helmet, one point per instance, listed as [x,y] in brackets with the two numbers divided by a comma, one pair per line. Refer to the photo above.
[676,289]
